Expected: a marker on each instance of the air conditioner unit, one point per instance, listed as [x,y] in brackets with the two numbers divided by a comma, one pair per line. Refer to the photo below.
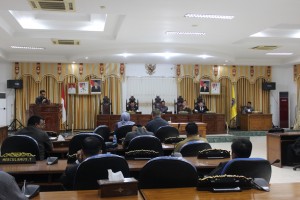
[52,5]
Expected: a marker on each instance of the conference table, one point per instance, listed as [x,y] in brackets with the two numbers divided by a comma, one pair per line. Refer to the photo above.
[278,191]
[51,173]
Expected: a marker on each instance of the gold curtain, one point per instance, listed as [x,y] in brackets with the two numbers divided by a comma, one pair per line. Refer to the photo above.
[82,110]
[187,89]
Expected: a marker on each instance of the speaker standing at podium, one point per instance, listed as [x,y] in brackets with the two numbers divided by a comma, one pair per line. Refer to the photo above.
[42,98]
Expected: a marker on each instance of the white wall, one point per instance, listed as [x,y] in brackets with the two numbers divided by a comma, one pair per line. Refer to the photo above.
[138,70]
[6,74]
[283,76]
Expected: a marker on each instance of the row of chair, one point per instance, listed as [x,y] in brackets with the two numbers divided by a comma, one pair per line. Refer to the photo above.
[162,172]
[162,133]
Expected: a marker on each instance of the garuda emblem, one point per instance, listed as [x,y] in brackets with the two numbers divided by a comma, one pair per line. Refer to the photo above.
[150,68]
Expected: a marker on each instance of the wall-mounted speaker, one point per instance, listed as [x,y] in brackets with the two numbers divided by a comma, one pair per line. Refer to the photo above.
[15,84]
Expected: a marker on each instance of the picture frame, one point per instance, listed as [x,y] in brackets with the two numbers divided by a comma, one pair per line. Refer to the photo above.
[204,86]
[83,87]
[95,86]
[215,88]
[71,88]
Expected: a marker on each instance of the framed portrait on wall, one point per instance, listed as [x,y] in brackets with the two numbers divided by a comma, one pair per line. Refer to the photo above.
[204,86]
[215,88]
[71,88]
[95,85]
[83,87]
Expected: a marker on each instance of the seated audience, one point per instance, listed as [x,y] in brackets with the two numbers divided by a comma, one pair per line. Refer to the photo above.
[200,108]
[240,148]
[191,135]
[9,189]
[156,121]
[34,128]
[124,120]
[131,107]
[136,131]
[90,146]
[248,108]
[163,108]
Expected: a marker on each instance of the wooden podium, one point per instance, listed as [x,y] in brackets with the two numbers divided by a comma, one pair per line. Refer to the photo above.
[50,112]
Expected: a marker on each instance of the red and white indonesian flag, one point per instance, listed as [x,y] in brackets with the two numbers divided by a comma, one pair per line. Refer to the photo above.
[63,104]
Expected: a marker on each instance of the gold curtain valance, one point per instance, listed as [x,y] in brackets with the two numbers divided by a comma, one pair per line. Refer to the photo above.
[218,72]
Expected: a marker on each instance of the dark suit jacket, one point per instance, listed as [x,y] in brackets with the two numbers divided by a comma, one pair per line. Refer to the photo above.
[68,176]
[155,124]
[202,89]
[218,170]
[39,100]
[203,110]
[94,89]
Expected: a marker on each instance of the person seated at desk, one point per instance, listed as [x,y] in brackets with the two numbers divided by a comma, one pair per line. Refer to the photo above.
[42,98]
[240,148]
[248,109]
[90,146]
[131,107]
[200,108]
[9,188]
[34,128]
[185,107]
[124,120]
[191,135]
[163,108]
[137,130]
[156,121]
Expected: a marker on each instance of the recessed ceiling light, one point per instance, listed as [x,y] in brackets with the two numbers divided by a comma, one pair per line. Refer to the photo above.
[184,33]
[279,54]
[73,62]
[194,15]
[204,56]
[125,55]
[86,57]
[27,47]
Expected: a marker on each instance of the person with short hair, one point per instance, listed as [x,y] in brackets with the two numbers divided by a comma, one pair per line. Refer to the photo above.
[240,148]
[42,99]
[248,108]
[34,128]
[163,108]
[191,135]
[9,189]
[91,146]
[137,130]
[156,121]
[200,107]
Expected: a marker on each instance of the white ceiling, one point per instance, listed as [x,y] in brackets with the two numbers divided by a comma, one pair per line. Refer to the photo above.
[138,27]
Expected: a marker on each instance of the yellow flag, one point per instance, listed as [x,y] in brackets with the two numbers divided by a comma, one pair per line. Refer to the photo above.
[233,104]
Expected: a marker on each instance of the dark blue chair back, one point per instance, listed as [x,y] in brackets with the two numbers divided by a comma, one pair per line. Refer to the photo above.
[122,131]
[103,131]
[95,168]
[145,142]
[166,132]
[249,167]
[76,144]
[21,143]
[193,147]
[168,172]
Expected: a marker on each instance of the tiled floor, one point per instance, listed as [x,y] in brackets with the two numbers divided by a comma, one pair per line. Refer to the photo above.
[279,175]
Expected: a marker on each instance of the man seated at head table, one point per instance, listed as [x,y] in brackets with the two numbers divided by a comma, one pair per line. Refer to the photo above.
[156,121]
[200,108]
[90,146]
[240,148]
[9,188]
[163,108]
[191,135]
[34,128]
[137,130]
[131,107]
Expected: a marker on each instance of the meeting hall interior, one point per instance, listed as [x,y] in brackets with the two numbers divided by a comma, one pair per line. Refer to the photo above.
[83,65]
